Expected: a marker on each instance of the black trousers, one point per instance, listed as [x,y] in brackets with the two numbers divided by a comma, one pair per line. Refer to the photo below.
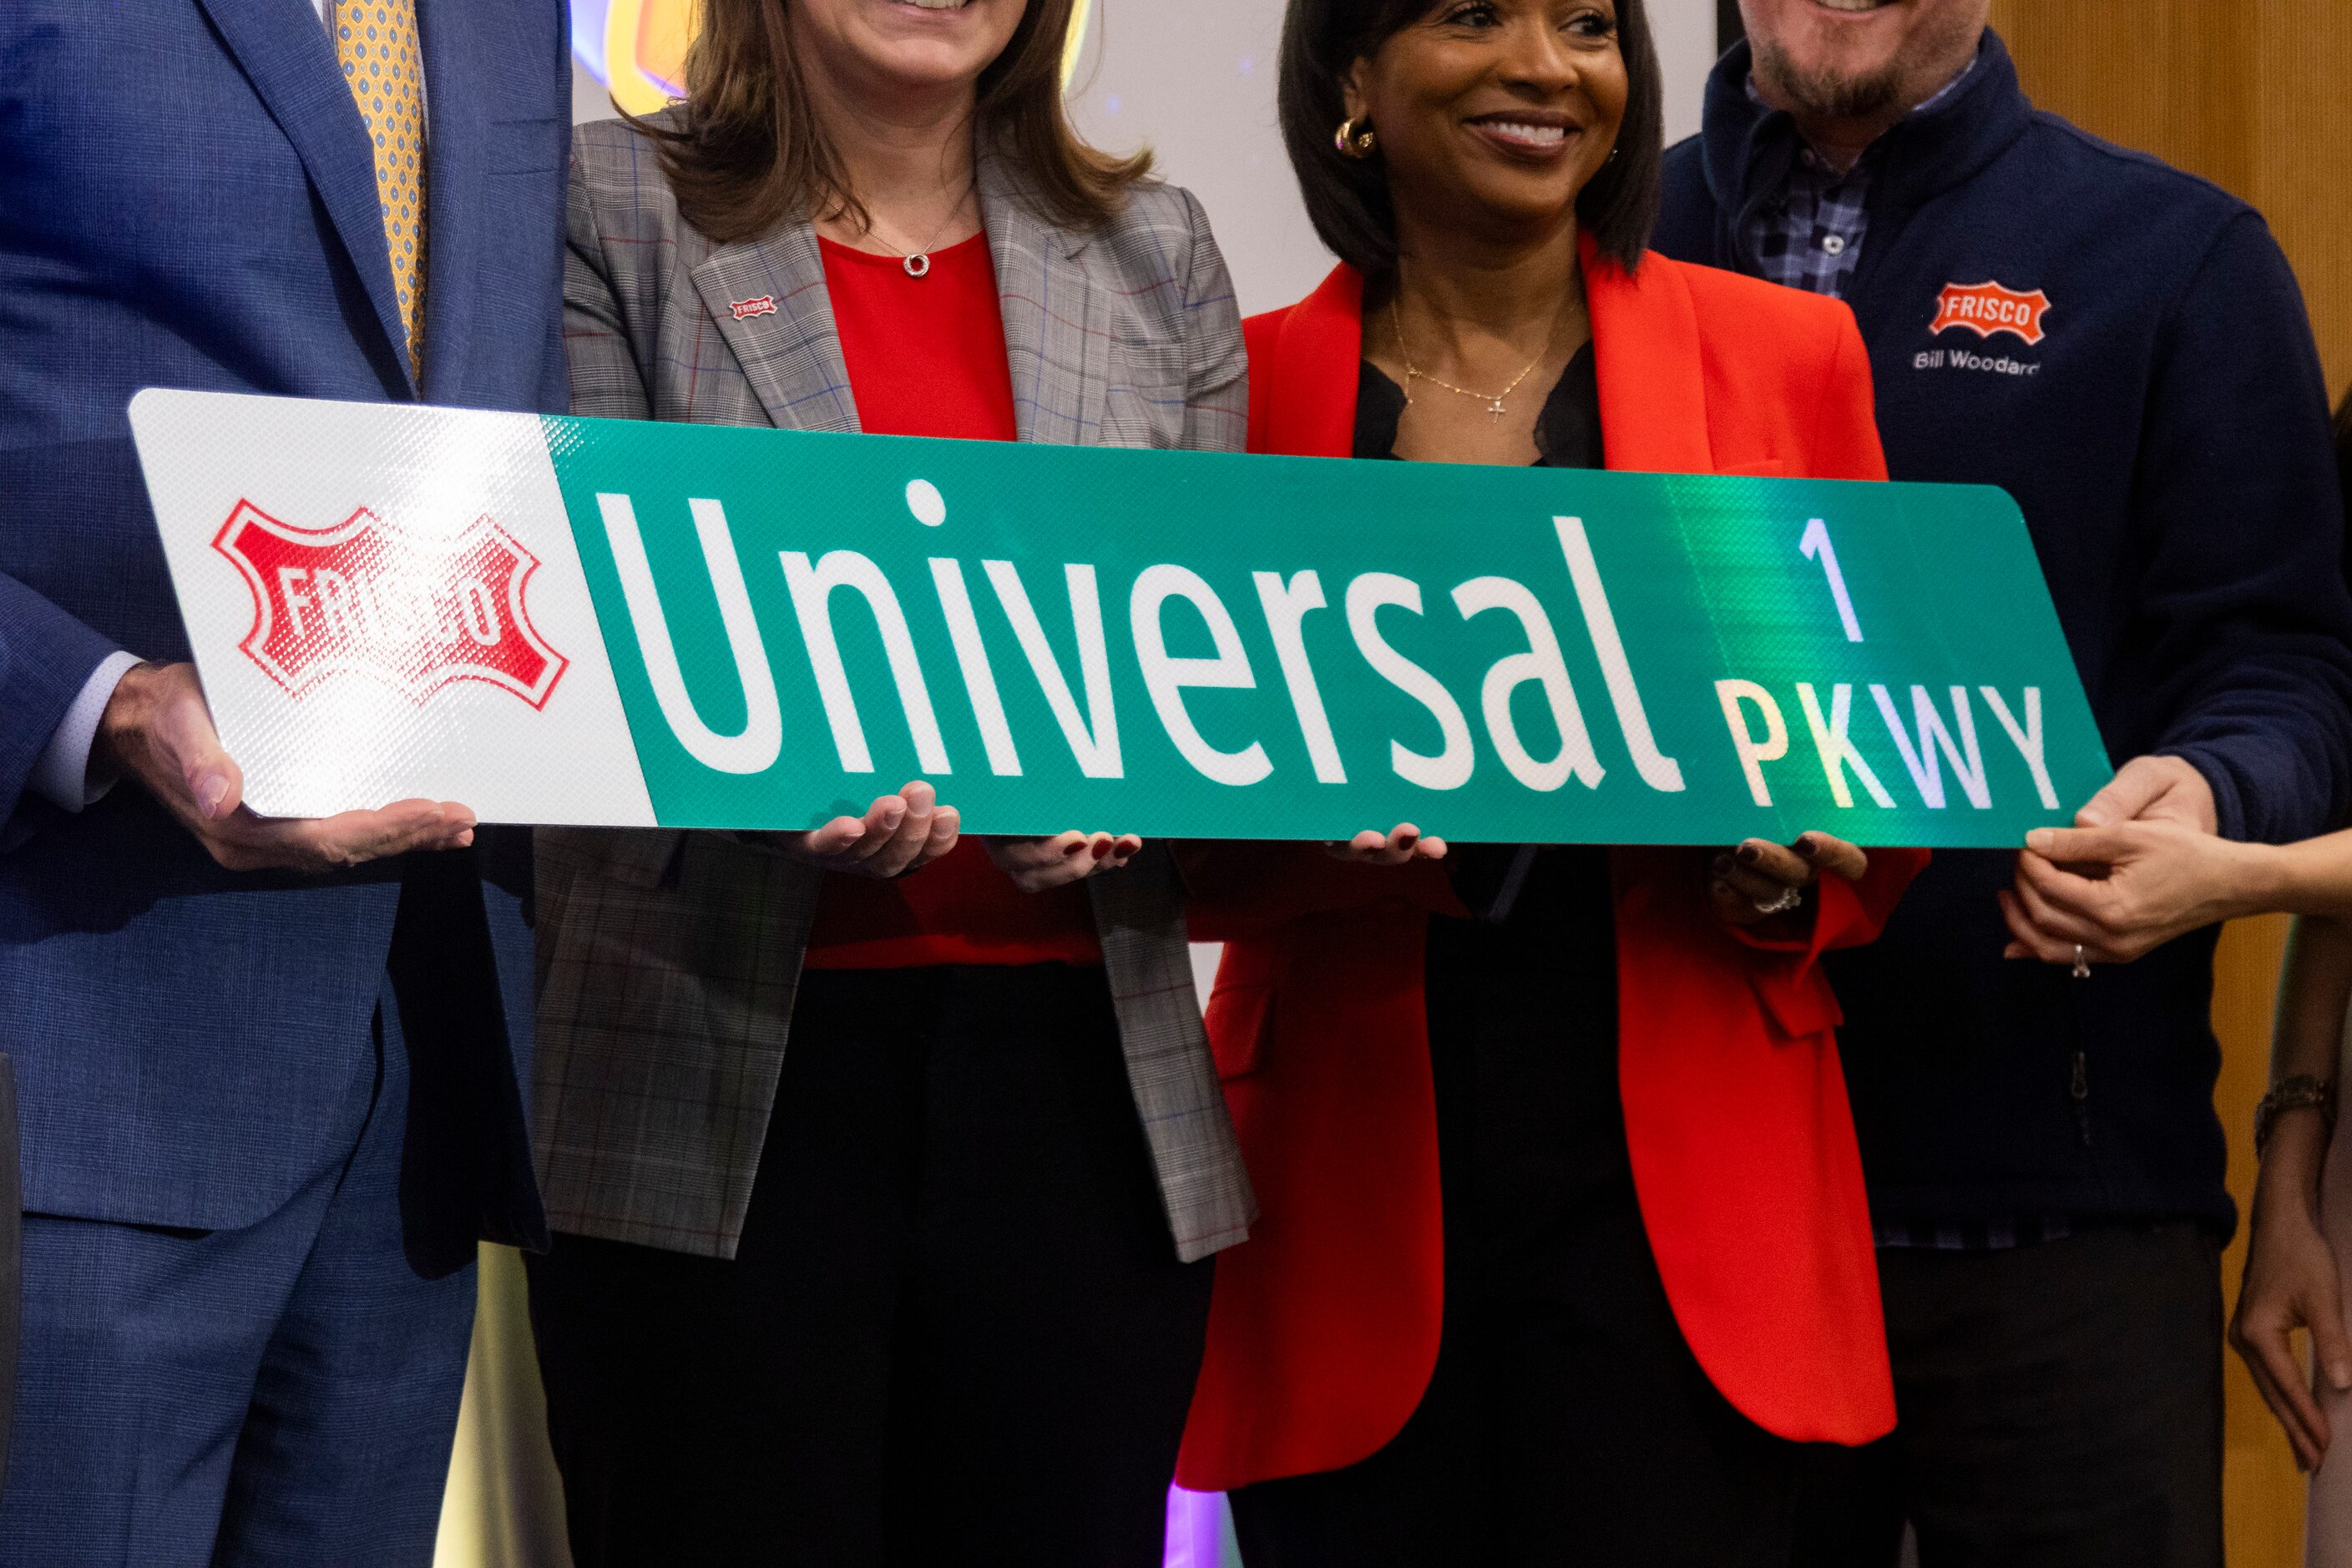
[2060,1407]
[1566,1421]
[956,1330]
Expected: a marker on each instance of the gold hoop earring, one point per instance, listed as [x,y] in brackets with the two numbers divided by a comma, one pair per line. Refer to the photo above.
[1352,142]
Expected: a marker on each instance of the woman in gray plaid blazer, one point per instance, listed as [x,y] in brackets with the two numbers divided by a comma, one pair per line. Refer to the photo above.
[884,1207]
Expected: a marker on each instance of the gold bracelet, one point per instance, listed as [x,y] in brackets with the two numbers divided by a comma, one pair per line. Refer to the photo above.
[2305,1091]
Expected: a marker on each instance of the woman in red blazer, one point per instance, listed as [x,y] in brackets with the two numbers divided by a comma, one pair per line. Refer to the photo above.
[1564,1246]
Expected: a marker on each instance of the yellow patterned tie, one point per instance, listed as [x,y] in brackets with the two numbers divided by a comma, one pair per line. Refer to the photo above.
[376,42]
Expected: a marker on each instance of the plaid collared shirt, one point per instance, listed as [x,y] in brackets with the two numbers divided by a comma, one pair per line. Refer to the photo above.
[1810,238]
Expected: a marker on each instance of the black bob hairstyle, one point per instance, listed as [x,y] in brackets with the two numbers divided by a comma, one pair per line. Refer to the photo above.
[1348,199]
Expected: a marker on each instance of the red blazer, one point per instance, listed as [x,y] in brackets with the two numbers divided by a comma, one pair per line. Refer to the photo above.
[1323,1327]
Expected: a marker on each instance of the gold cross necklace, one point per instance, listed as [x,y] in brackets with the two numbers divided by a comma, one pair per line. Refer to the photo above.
[1493,401]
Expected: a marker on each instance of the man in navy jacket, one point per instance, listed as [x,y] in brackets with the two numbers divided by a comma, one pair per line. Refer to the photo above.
[2124,351]
[267,1070]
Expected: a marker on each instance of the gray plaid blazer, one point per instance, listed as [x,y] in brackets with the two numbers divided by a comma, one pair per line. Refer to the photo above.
[667,960]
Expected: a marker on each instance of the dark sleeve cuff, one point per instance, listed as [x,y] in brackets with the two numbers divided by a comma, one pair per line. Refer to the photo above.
[2228,801]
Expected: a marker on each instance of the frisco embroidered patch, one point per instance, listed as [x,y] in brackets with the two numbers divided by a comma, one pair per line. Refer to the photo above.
[1985,309]
[365,598]
[765,305]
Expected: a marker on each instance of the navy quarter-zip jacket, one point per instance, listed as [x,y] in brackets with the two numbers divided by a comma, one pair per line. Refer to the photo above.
[2166,436]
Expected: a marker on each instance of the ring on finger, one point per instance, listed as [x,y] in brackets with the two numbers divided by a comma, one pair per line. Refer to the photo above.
[1781,903]
[2081,963]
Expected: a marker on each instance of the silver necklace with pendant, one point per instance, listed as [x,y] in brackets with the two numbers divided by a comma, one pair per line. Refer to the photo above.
[918,262]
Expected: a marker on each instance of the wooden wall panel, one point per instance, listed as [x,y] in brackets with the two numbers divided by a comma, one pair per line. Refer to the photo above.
[2303,169]
[2257,97]
[2262,1494]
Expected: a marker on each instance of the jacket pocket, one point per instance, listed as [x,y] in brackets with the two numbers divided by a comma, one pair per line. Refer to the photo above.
[1241,1007]
[1796,993]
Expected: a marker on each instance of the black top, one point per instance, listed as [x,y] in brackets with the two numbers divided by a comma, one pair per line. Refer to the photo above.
[1568,428]
[1522,998]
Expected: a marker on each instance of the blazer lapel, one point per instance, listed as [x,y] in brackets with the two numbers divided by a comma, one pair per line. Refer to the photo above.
[289,59]
[1056,321]
[1645,351]
[1310,388]
[768,298]
[456,142]
[1645,356]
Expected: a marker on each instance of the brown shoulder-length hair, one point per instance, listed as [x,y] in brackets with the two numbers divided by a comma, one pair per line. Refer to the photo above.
[747,152]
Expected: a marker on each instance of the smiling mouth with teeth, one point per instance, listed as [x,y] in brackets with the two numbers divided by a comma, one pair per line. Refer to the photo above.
[1526,135]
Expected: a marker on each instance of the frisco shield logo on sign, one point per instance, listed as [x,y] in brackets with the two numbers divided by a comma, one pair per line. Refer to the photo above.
[366,598]
[1988,308]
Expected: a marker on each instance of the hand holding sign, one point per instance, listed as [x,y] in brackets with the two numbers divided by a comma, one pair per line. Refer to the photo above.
[2140,866]
[1760,881]
[158,730]
[1036,865]
[1400,845]
[899,833]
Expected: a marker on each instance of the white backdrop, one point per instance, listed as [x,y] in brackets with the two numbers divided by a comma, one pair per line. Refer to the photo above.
[1195,80]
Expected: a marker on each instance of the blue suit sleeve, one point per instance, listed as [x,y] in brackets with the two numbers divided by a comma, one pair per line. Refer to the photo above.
[554,373]
[45,657]
[2243,603]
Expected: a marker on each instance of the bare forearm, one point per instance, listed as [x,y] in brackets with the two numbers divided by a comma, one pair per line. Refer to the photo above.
[2313,877]
[2314,989]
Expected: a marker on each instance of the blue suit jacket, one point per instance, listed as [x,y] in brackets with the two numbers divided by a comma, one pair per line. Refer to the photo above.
[188,199]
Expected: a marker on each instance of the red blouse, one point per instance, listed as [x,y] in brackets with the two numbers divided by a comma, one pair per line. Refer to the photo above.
[925,357]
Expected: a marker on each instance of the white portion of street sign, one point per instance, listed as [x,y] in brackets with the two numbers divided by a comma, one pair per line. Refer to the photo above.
[429,477]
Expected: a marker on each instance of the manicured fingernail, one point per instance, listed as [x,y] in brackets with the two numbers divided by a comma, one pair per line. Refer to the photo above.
[2039,840]
[1748,855]
[1807,845]
[1074,847]
[1407,841]
[211,790]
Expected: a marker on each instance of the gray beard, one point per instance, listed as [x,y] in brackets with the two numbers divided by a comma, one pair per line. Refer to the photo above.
[1826,95]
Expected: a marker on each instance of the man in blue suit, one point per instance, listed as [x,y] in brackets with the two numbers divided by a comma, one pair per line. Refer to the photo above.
[267,1070]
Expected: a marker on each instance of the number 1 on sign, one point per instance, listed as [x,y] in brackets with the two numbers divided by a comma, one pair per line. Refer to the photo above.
[1817,547]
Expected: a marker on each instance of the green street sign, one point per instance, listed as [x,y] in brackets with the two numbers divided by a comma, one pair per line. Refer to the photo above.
[743,629]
